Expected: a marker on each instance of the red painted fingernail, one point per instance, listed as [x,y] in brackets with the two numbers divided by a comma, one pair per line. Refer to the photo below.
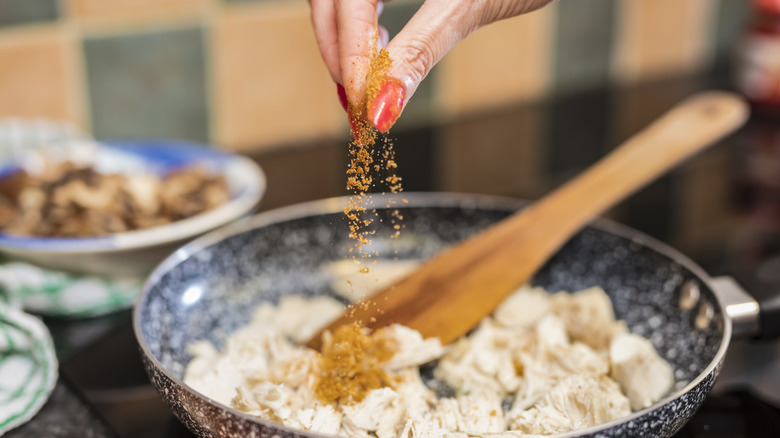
[342,96]
[353,126]
[343,99]
[386,105]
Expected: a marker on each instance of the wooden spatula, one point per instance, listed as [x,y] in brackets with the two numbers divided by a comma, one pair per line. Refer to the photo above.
[452,292]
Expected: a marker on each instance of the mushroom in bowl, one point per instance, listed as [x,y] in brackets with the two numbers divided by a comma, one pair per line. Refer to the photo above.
[118,208]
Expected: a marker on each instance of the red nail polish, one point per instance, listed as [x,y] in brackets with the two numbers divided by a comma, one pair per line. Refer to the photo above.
[344,104]
[386,105]
[342,96]
[353,126]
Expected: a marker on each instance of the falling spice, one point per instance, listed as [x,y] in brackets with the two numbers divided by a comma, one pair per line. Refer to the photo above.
[365,158]
[351,360]
[351,364]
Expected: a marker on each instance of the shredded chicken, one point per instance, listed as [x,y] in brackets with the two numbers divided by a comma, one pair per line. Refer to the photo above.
[543,364]
[644,375]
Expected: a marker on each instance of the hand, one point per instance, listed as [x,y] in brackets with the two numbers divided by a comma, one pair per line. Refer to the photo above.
[348,34]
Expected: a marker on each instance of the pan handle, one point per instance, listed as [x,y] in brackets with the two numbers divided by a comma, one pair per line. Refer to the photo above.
[755,315]
[741,307]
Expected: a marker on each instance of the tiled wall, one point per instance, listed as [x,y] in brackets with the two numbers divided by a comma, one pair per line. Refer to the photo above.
[246,75]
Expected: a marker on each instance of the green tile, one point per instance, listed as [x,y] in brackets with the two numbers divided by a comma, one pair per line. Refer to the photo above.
[418,111]
[584,41]
[396,14]
[148,85]
[15,12]
[732,21]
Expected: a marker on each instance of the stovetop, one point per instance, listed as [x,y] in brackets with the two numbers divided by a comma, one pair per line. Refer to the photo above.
[722,209]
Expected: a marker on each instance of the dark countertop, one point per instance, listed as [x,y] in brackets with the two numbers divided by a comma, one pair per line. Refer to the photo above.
[722,209]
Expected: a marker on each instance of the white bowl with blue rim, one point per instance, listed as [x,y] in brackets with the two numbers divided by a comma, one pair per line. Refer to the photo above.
[135,253]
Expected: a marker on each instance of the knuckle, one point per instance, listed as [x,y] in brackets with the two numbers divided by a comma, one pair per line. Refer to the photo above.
[420,56]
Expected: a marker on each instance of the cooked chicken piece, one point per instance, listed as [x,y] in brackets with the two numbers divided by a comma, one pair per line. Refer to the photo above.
[412,349]
[425,428]
[320,419]
[299,317]
[484,360]
[507,434]
[380,412]
[588,316]
[253,354]
[266,400]
[524,308]
[552,359]
[417,397]
[550,333]
[474,413]
[574,403]
[644,375]
[352,284]
[481,412]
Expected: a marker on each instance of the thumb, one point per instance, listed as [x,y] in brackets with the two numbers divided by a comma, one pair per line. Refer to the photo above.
[436,27]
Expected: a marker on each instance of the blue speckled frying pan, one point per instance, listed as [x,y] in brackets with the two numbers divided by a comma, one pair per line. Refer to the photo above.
[209,288]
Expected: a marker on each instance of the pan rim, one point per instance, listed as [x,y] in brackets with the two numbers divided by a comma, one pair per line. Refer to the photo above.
[429,199]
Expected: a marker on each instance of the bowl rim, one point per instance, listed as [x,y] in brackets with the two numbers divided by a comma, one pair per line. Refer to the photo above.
[246,199]
[425,199]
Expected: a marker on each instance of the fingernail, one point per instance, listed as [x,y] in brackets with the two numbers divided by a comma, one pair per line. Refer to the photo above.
[353,126]
[384,37]
[343,99]
[342,96]
[386,105]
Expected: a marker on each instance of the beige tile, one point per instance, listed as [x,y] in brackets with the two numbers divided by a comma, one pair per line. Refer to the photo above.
[270,84]
[658,38]
[40,74]
[117,12]
[500,154]
[502,63]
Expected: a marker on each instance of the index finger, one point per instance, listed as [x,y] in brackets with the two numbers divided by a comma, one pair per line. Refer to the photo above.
[323,18]
[357,27]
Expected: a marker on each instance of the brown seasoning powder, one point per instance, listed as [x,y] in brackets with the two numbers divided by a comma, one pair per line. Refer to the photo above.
[351,360]
[362,159]
[351,364]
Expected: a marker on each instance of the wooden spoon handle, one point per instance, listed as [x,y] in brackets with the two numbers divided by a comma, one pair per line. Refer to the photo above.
[451,293]
[687,128]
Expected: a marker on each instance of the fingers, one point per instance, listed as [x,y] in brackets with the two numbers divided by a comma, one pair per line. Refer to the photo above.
[357,23]
[433,30]
[384,36]
[323,19]
[348,34]
[501,9]
[436,27]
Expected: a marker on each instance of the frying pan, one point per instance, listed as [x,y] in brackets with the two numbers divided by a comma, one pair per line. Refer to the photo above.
[208,289]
